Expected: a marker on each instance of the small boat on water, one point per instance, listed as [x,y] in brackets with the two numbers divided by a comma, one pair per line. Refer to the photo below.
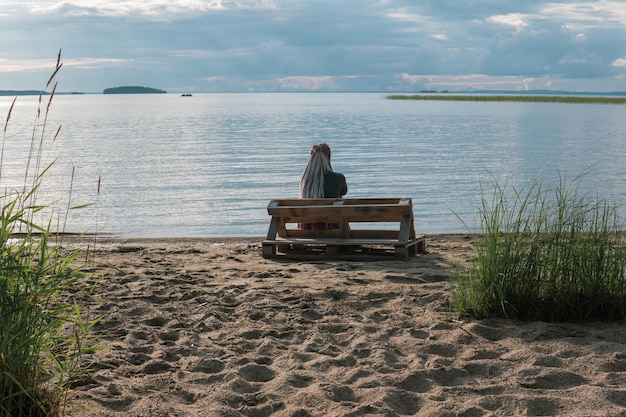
[186,95]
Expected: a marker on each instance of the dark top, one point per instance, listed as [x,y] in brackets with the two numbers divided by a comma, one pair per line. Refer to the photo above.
[335,185]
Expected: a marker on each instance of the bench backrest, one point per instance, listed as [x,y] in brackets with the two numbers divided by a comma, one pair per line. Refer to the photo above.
[287,214]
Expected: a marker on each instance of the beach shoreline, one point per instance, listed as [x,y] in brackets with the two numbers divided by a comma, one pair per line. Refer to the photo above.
[208,327]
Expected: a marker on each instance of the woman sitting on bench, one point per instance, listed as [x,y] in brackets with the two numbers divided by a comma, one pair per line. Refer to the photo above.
[320,181]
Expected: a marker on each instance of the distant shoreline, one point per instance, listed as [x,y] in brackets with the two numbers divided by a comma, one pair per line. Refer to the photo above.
[133,89]
[517,98]
[443,95]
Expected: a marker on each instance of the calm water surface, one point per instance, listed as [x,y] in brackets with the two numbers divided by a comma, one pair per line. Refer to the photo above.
[207,165]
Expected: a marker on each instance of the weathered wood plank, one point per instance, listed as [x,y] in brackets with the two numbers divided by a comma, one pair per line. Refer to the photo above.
[273,229]
[330,201]
[287,216]
[343,242]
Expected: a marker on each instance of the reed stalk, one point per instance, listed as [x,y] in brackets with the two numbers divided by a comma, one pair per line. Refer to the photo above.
[43,332]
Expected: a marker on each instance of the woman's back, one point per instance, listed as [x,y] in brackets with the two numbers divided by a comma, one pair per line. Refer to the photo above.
[318,179]
[335,185]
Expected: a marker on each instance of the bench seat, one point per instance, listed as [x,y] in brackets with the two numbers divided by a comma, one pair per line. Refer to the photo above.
[357,223]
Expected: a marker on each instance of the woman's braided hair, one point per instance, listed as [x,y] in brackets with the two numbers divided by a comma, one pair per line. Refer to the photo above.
[312,180]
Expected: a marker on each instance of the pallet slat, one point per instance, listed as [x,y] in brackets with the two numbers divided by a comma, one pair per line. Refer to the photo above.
[341,242]
[342,212]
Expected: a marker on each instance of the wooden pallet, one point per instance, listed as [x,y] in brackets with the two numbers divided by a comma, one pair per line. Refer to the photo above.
[299,225]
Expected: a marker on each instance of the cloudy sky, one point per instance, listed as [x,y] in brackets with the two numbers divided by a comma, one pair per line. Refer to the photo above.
[317,45]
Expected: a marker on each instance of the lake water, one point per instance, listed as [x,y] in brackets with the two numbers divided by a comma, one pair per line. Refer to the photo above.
[207,165]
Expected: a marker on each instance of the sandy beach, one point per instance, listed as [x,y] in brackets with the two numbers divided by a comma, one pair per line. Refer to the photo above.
[208,327]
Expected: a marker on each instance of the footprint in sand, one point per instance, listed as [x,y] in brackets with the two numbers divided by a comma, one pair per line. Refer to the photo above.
[443,349]
[240,386]
[156,321]
[138,358]
[548,362]
[256,373]
[156,367]
[542,406]
[416,382]
[169,336]
[207,366]
[617,397]
[448,377]
[553,380]
[490,332]
[300,381]
[617,363]
[341,394]
[402,402]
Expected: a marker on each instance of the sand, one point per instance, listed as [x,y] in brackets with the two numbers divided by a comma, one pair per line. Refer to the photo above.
[208,327]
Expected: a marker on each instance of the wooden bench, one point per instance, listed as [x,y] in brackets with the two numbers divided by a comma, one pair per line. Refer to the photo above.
[388,223]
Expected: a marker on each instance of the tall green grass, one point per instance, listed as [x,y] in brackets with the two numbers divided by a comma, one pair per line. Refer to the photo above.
[43,333]
[545,253]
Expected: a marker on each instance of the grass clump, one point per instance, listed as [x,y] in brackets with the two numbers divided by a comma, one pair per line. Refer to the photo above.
[551,254]
[43,333]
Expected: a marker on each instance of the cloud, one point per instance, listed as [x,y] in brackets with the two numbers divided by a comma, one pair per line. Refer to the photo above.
[474,82]
[239,45]
[313,83]
[47,64]
[159,9]
[515,20]
[307,83]
[587,14]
